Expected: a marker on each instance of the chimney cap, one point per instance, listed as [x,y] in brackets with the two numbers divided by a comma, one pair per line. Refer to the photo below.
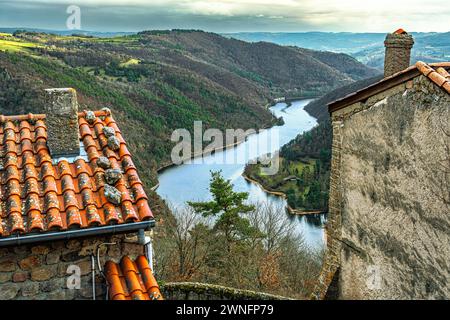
[400,31]
[399,39]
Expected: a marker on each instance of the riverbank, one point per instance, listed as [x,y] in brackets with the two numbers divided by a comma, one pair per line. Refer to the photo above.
[284,196]
[181,184]
[170,164]
[288,102]
[261,185]
[201,154]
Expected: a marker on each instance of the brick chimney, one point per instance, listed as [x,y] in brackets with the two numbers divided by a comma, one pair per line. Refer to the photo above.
[61,108]
[398,52]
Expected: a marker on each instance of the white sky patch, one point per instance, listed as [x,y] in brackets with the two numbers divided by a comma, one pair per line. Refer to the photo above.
[212,7]
[235,7]
[325,15]
[380,15]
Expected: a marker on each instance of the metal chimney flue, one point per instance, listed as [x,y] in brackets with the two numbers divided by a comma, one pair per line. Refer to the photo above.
[61,108]
[398,52]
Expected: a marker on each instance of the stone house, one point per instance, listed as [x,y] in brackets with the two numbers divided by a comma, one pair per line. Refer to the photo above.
[389,208]
[74,218]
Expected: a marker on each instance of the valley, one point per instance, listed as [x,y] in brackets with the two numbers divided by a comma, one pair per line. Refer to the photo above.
[232,152]
[178,182]
[157,81]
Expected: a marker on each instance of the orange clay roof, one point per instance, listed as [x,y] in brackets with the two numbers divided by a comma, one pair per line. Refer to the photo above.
[131,280]
[435,72]
[400,31]
[439,76]
[39,196]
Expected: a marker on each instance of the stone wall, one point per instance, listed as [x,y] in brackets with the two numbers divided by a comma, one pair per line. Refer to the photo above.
[61,108]
[398,52]
[391,196]
[204,291]
[333,227]
[40,272]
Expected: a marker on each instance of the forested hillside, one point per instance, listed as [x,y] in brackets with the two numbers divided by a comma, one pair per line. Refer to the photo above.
[157,81]
[319,109]
[367,48]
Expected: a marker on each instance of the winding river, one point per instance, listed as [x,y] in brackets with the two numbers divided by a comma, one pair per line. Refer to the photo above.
[190,181]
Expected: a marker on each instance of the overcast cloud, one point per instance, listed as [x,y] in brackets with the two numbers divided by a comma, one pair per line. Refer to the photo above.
[232,15]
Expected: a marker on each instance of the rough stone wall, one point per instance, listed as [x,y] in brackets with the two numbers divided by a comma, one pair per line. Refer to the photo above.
[394,194]
[333,227]
[40,272]
[203,291]
[398,53]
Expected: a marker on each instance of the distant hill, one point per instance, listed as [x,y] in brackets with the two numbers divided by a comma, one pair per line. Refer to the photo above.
[319,108]
[158,81]
[100,34]
[343,63]
[281,69]
[367,48]
[345,42]
[428,47]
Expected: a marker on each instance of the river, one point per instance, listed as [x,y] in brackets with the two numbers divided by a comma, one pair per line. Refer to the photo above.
[190,181]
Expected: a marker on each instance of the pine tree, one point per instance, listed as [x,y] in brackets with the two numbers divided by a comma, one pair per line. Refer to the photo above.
[228,206]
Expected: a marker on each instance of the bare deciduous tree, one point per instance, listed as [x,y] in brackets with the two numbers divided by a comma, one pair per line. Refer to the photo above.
[188,234]
[274,224]
[273,260]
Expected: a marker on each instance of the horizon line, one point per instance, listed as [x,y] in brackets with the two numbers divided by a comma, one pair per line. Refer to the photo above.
[203,30]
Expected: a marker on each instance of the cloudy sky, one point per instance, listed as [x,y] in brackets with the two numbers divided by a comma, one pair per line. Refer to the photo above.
[232,15]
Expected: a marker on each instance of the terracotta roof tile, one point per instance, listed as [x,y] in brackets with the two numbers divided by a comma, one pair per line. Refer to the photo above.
[400,31]
[38,195]
[131,280]
[439,76]
[443,73]
[446,86]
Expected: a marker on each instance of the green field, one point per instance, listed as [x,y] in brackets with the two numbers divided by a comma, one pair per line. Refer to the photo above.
[294,179]
[16,46]
[130,62]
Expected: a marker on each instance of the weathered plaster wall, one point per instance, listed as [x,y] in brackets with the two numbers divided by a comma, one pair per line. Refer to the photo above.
[392,194]
[39,272]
